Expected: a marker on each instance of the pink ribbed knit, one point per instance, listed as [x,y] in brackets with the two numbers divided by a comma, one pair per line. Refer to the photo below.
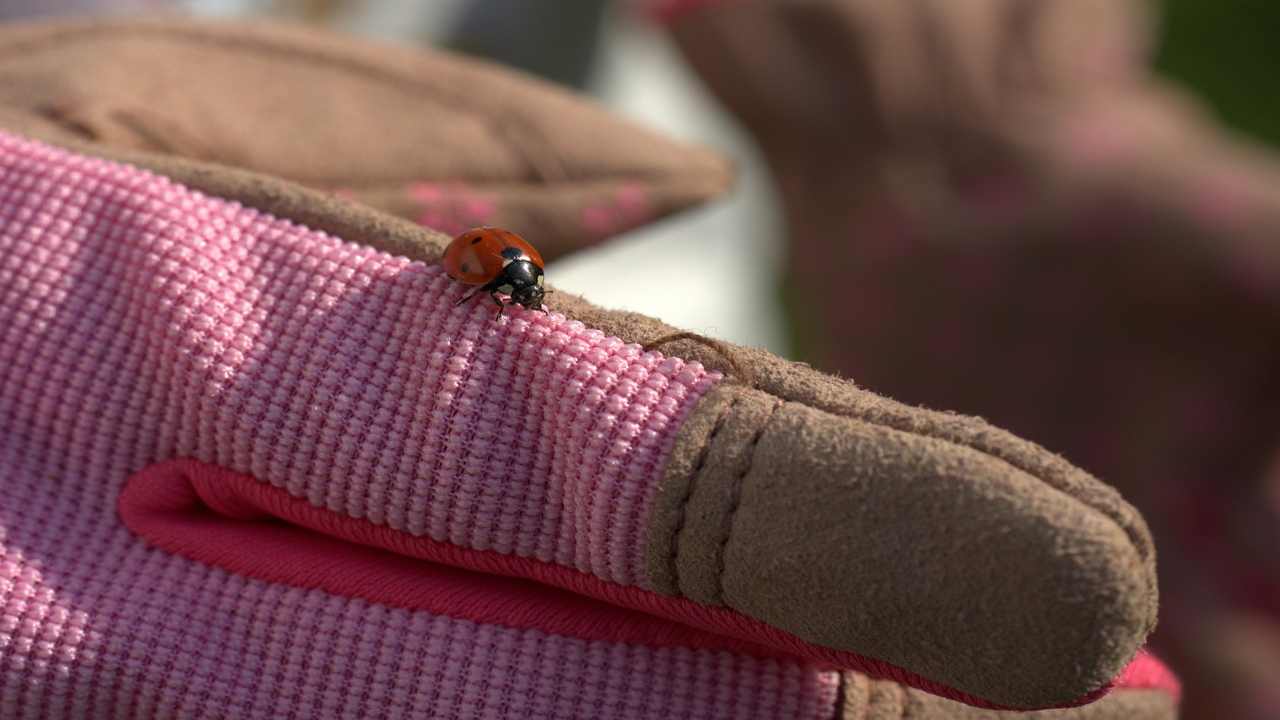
[197,327]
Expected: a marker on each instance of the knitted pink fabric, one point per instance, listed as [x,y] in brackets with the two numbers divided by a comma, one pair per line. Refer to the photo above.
[226,520]
[189,326]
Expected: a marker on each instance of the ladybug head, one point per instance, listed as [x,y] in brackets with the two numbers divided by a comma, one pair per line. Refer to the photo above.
[529,296]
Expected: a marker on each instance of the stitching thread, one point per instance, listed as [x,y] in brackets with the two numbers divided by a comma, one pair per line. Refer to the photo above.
[735,499]
[721,348]
[682,506]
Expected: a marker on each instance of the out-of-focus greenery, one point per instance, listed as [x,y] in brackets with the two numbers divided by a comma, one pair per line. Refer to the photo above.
[1227,52]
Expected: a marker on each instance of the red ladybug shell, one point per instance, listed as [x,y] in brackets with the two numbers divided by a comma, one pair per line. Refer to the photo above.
[475,256]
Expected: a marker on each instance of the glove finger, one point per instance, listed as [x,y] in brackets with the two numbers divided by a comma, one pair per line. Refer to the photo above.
[440,140]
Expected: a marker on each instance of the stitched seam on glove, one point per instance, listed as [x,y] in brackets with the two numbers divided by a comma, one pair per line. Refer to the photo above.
[735,498]
[683,505]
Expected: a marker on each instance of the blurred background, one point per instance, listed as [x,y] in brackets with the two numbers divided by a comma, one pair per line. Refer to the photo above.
[1063,215]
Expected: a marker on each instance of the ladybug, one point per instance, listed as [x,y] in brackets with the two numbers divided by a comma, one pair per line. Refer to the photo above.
[499,261]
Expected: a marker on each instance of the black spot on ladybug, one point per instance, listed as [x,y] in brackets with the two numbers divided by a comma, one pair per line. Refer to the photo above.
[475,240]
[466,267]
[511,253]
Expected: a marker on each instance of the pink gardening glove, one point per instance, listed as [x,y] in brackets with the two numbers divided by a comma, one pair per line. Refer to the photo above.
[257,463]
[390,505]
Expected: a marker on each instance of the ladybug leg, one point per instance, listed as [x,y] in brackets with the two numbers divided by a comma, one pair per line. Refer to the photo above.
[501,306]
[468,296]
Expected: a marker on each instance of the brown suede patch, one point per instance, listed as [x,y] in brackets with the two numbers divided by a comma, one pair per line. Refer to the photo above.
[867,699]
[902,547]
[1117,574]
[429,136]
[689,544]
